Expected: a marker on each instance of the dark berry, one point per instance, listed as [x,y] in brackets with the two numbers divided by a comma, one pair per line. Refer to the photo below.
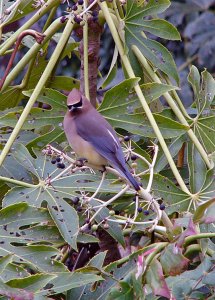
[77,19]
[75,200]
[74,7]
[87,220]
[58,159]
[134,199]
[146,212]
[162,206]
[63,19]
[95,13]
[139,209]
[126,138]
[133,157]
[53,161]
[49,152]
[60,165]
[79,209]
[80,2]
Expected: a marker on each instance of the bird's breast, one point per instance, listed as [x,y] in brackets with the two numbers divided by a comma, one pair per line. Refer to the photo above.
[82,147]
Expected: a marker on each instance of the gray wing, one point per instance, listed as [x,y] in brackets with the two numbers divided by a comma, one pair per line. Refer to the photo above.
[99,133]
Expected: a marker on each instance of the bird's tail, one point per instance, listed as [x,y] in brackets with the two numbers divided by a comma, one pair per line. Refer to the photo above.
[131,179]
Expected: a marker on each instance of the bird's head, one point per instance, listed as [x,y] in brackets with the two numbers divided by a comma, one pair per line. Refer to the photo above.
[74,100]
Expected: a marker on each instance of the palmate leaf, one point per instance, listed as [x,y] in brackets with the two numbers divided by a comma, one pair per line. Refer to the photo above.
[119,108]
[204,129]
[157,54]
[13,237]
[58,194]
[173,197]
[47,284]
[50,119]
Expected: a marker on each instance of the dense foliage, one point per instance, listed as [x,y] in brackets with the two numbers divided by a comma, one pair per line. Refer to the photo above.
[67,232]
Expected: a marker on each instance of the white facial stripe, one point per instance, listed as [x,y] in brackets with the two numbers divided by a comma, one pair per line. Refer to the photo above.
[116,142]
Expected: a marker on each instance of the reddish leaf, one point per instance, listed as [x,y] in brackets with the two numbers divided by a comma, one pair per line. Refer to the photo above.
[156,280]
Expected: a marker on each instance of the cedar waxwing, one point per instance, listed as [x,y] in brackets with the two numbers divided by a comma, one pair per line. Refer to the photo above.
[92,137]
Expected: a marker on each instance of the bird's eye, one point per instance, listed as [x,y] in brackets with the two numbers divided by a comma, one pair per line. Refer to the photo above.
[78,104]
[69,107]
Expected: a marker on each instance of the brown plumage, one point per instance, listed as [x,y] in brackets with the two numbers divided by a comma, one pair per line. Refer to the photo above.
[92,137]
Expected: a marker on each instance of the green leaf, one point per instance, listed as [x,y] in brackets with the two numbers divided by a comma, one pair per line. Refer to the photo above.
[66,219]
[173,197]
[154,90]
[13,271]
[112,71]
[40,118]
[120,112]
[197,168]
[10,97]
[152,7]
[63,83]
[172,260]
[205,131]
[114,229]
[32,283]
[158,27]
[205,212]
[157,54]
[67,281]
[103,290]
[174,147]
[207,191]
[98,260]
[4,261]
[203,88]
[13,219]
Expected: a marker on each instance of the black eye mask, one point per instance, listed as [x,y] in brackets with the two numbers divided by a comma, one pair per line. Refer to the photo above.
[76,105]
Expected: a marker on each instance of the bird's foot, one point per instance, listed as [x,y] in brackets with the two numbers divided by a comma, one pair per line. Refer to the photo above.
[80,162]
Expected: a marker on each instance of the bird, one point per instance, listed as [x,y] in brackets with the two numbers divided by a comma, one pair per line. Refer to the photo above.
[92,138]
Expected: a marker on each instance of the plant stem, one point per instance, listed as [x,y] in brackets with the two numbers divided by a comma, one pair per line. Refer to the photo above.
[51,64]
[44,9]
[190,239]
[54,27]
[86,66]
[192,249]
[173,106]
[18,182]
[50,18]
[141,97]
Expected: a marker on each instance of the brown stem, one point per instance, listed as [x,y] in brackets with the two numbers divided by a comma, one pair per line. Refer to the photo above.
[180,162]
[39,37]
[94,36]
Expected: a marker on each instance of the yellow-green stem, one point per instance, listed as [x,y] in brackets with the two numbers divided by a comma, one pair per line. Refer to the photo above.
[50,18]
[173,106]
[51,64]
[141,97]
[18,182]
[44,9]
[192,238]
[86,66]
